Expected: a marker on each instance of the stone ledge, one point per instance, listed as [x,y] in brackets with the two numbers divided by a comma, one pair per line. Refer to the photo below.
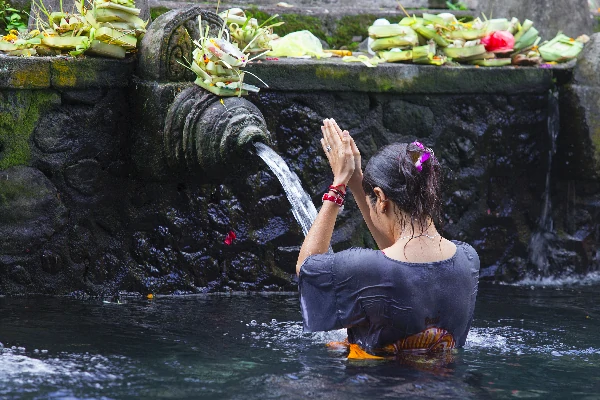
[322,11]
[335,75]
[64,72]
[24,73]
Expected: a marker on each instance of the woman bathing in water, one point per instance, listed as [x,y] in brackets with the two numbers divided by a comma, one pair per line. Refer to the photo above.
[418,292]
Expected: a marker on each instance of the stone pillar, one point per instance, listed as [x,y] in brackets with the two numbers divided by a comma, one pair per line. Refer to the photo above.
[580,128]
[573,17]
[576,166]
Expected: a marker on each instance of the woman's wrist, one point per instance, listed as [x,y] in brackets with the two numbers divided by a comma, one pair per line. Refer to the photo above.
[340,182]
[355,181]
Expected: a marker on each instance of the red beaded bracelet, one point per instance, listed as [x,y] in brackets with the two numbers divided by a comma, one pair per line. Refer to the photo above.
[337,200]
[341,188]
[338,192]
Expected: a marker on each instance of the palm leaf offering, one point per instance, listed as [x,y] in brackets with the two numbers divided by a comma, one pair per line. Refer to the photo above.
[561,48]
[247,33]
[217,62]
[107,28]
[488,42]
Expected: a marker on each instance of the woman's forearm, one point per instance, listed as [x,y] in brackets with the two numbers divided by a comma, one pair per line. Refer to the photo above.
[318,239]
[360,198]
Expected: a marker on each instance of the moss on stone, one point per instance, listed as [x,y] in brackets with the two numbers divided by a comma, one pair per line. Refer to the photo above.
[336,33]
[293,23]
[24,78]
[595,136]
[156,12]
[330,72]
[11,191]
[20,111]
[348,27]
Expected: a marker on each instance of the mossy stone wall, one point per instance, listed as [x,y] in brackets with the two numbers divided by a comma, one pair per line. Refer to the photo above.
[20,111]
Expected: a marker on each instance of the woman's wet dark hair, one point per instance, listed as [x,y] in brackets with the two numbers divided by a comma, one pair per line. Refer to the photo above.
[415,192]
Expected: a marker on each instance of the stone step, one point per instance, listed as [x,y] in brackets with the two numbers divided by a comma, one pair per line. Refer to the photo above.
[333,5]
[318,9]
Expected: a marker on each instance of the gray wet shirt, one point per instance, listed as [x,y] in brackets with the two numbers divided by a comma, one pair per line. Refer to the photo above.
[381,300]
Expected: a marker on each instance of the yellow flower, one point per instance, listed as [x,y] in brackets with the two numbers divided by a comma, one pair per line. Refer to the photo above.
[10,37]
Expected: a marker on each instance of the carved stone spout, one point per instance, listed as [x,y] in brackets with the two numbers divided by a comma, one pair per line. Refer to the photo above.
[182,125]
[207,132]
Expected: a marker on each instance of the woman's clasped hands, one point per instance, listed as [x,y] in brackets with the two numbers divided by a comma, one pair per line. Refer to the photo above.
[341,152]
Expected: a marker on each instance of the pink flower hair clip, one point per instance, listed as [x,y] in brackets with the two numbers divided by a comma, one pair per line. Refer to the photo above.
[425,155]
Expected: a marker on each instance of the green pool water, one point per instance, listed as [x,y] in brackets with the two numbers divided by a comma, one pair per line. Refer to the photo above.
[526,342]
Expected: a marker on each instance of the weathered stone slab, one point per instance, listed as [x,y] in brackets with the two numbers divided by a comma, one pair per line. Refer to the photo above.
[20,112]
[335,75]
[84,176]
[580,117]
[549,16]
[64,72]
[587,70]
[89,72]
[579,145]
[168,43]
[318,5]
[24,73]
[30,210]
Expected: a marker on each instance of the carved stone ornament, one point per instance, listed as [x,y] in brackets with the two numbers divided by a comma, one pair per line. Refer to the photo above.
[203,131]
[168,44]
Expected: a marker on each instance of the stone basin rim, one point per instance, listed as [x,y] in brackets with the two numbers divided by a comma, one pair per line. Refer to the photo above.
[290,74]
[333,74]
[65,72]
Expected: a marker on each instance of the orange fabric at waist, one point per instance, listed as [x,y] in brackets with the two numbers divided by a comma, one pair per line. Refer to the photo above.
[430,340]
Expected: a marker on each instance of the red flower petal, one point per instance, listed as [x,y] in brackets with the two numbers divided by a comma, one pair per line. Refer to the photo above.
[229,238]
[499,41]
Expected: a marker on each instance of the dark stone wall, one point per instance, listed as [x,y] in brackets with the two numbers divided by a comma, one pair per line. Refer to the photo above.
[494,150]
[80,219]
[88,205]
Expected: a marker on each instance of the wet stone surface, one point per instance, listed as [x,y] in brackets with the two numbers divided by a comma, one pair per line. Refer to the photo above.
[98,225]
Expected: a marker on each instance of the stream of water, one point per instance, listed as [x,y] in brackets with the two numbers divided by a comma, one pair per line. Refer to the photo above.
[540,240]
[526,342]
[303,208]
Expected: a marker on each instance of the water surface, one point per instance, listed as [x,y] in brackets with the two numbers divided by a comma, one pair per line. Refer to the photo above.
[526,342]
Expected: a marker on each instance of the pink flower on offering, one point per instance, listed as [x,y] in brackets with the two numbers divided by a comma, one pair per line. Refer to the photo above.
[499,42]
[229,238]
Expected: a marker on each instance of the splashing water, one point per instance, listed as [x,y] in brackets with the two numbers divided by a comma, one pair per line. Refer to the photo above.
[302,206]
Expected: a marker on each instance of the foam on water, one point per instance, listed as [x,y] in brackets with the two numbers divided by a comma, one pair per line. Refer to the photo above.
[19,368]
[289,334]
[511,340]
[592,278]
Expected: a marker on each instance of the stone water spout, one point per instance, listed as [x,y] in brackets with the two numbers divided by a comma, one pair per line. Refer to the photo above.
[184,127]
[201,130]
